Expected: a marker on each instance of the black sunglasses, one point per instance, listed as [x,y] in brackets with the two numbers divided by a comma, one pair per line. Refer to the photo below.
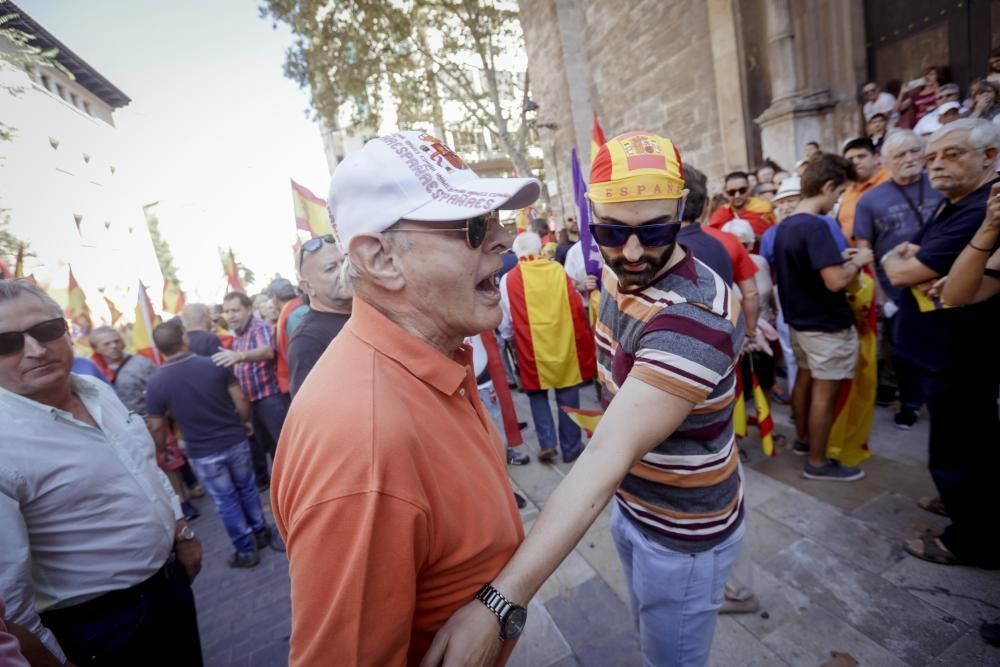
[314,244]
[12,342]
[475,229]
[736,191]
[650,236]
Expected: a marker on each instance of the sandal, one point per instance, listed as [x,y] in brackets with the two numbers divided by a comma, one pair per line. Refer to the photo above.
[931,550]
[933,505]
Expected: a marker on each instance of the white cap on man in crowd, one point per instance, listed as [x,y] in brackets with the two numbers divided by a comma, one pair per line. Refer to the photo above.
[741,229]
[790,187]
[414,175]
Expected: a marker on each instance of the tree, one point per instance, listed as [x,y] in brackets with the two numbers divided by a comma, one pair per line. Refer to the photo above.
[160,246]
[347,52]
[23,57]
[10,245]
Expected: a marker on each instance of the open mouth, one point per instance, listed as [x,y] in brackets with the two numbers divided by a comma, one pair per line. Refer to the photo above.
[490,284]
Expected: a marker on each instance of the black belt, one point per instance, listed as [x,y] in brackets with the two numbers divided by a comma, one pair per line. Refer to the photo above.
[114,600]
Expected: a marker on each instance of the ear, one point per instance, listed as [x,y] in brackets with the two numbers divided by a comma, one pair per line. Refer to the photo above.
[991,154]
[375,258]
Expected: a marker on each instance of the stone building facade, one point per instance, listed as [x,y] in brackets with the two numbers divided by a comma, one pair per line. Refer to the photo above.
[732,81]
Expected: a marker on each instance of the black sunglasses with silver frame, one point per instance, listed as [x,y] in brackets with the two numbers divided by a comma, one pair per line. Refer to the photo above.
[475,228]
[12,342]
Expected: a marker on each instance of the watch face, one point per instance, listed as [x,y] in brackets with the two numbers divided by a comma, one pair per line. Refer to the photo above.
[514,623]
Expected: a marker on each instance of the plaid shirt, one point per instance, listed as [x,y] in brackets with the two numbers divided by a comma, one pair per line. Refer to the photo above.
[257,378]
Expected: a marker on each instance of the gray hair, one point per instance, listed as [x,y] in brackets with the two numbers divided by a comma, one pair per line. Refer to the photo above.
[528,243]
[102,330]
[194,314]
[896,138]
[983,134]
[12,289]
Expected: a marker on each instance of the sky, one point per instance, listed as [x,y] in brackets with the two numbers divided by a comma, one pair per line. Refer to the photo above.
[214,131]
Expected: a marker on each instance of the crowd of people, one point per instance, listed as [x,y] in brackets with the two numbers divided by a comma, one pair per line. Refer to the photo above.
[373,398]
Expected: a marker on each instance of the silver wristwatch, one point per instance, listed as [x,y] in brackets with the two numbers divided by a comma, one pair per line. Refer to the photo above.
[512,617]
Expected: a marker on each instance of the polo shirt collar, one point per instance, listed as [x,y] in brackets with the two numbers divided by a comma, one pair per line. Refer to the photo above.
[418,357]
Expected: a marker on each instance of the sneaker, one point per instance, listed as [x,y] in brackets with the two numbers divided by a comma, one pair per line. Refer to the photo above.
[905,418]
[832,471]
[800,448]
[269,538]
[239,560]
[516,458]
[190,511]
[547,454]
[519,499]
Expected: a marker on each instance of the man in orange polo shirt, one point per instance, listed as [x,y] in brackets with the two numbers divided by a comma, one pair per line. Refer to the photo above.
[390,484]
[868,165]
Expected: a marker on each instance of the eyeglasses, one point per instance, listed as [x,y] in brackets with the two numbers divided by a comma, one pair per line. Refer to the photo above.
[12,342]
[475,229]
[736,191]
[650,235]
[314,244]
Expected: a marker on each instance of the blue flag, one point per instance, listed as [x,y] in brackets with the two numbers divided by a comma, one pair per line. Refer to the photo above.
[591,253]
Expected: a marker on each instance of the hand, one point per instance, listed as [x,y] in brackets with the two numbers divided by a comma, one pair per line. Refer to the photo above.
[590,282]
[992,221]
[227,358]
[933,288]
[862,256]
[849,253]
[188,555]
[470,638]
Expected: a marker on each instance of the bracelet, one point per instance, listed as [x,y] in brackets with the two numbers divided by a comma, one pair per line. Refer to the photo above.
[975,247]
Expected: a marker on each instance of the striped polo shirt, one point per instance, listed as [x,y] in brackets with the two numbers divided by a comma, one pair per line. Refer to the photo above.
[682,334]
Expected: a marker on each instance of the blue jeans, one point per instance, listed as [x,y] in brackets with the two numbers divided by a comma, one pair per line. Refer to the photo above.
[228,478]
[541,414]
[675,596]
[488,395]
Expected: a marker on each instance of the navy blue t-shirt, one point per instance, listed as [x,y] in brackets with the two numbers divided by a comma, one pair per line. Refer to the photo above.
[803,245]
[708,250]
[885,218]
[196,392]
[955,339]
[203,343]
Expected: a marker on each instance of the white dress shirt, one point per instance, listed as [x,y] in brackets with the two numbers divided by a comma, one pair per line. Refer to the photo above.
[884,103]
[83,510]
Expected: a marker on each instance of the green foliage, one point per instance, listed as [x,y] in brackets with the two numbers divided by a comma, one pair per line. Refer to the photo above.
[9,243]
[347,52]
[160,246]
[23,57]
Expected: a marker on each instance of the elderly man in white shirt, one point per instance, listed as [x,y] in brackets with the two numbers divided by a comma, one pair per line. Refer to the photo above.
[96,559]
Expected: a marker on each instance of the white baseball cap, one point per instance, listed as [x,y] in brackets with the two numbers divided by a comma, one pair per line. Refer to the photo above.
[414,175]
[790,187]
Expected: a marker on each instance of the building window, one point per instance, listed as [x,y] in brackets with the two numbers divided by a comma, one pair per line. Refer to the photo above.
[76,101]
[86,107]
[47,83]
[61,90]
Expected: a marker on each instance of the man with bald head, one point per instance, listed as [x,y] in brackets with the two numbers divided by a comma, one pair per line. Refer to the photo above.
[198,325]
[322,281]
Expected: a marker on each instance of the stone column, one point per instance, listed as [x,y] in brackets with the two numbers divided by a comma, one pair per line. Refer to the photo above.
[729,95]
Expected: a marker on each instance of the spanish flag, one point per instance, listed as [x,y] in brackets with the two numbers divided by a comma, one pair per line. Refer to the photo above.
[142,332]
[596,140]
[113,309]
[232,272]
[173,297]
[764,422]
[555,347]
[77,309]
[311,214]
[585,419]
[523,219]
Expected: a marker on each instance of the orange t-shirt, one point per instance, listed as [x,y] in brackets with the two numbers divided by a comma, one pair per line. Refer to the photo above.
[849,201]
[390,488]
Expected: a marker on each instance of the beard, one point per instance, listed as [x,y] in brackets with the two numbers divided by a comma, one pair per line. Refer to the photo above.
[632,280]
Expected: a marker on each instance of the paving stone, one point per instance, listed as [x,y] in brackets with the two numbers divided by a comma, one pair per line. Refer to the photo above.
[597,625]
[898,517]
[909,628]
[808,639]
[733,645]
[541,644]
[787,468]
[766,537]
[598,549]
[969,651]
[907,479]
[760,487]
[851,538]
[969,593]
[780,603]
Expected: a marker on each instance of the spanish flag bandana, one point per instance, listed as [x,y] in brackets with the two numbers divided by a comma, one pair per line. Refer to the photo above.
[636,166]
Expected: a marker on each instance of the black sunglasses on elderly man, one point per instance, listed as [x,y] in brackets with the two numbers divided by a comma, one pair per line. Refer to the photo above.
[475,228]
[12,342]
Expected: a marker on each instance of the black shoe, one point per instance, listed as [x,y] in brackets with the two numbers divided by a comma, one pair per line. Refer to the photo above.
[885,396]
[832,471]
[239,560]
[516,458]
[800,448]
[190,511]
[905,418]
[522,425]
[519,499]
[547,454]
[269,538]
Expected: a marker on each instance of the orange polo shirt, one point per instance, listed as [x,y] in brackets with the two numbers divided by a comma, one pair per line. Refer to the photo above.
[849,201]
[390,489]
